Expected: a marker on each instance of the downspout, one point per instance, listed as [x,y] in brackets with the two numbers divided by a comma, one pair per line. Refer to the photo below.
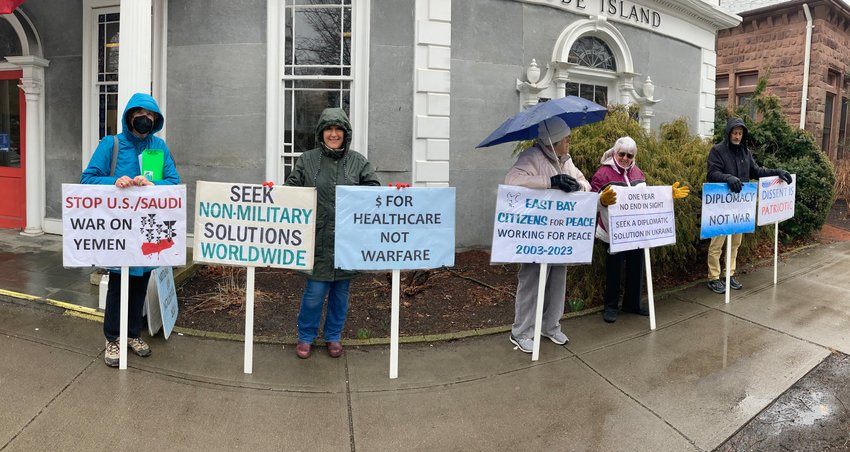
[806,64]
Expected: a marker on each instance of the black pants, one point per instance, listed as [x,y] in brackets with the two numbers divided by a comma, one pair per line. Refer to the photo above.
[634,279]
[136,303]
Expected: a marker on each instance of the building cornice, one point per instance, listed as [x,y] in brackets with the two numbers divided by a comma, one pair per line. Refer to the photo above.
[695,11]
[796,5]
[701,11]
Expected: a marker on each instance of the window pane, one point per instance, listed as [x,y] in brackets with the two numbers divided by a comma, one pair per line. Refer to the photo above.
[288,56]
[571,89]
[722,82]
[107,110]
[842,129]
[304,100]
[108,46]
[586,91]
[308,71]
[318,36]
[745,100]
[748,79]
[600,95]
[832,78]
[10,124]
[827,121]
[592,52]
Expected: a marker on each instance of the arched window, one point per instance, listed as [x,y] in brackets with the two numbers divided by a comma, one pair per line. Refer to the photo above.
[591,59]
[593,53]
[590,51]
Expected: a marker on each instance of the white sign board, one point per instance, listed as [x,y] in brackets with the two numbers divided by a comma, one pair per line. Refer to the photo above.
[385,228]
[162,301]
[255,225]
[107,226]
[776,199]
[642,217]
[725,213]
[543,226]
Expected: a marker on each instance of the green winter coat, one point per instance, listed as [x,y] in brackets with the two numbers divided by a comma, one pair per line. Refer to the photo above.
[324,169]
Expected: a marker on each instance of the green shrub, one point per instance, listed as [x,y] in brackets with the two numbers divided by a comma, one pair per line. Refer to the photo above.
[674,155]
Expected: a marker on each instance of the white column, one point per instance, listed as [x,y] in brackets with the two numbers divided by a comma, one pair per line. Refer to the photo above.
[432,93]
[134,61]
[32,83]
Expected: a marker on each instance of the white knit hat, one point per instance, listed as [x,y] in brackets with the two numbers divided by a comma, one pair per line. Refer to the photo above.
[553,130]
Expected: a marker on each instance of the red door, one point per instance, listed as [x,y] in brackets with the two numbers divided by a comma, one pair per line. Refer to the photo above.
[13,200]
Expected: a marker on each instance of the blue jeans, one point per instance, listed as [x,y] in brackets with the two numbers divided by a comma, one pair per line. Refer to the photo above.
[311,310]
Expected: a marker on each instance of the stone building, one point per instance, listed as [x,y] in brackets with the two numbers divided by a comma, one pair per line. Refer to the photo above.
[242,82]
[802,46]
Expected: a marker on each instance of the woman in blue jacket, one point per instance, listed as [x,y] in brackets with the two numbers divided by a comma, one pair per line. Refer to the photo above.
[141,120]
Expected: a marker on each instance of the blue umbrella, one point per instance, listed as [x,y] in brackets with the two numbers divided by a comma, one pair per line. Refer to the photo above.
[575,111]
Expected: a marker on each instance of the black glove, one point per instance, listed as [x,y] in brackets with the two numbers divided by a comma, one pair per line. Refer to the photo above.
[565,182]
[784,175]
[734,184]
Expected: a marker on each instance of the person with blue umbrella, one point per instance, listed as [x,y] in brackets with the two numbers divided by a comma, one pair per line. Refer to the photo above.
[546,165]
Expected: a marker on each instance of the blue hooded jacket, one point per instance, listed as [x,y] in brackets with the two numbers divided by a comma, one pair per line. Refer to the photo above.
[130,147]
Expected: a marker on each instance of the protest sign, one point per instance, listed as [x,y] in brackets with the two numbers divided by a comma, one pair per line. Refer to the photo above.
[725,213]
[642,217]
[255,225]
[162,301]
[385,228]
[776,199]
[543,226]
[111,227]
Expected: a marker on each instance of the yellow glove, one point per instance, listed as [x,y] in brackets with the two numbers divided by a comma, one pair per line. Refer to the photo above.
[680,192]
[608,196]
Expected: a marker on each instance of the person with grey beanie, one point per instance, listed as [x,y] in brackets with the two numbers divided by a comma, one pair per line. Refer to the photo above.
[545,165]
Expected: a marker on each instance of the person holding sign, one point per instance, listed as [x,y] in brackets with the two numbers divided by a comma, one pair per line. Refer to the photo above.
[117,160]
[547,164]
[732,163]
[618,167]
[325,167]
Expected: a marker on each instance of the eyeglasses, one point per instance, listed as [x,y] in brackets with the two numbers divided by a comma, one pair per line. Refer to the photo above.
[624,155]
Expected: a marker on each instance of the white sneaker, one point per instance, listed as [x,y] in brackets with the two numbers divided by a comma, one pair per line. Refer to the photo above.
[524,345]
[558,338]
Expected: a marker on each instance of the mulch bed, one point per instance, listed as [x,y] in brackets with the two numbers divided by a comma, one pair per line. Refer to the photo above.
[472,294]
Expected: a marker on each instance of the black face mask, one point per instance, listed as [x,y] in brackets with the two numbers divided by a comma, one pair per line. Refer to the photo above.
[142,124]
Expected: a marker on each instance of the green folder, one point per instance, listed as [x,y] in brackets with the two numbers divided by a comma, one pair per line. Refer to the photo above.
[152,162]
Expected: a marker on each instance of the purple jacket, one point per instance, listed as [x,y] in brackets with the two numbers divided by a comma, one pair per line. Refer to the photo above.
[611,174]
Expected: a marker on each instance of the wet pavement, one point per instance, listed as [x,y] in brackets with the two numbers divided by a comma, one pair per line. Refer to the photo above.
[700,378]
[814,414]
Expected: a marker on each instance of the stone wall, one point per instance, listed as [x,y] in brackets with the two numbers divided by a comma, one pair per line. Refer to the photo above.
[770,44]
[773,43]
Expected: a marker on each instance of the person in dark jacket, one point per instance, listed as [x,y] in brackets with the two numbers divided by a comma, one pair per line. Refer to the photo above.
[325,167]
[618,167]
[730,162]
[141,120]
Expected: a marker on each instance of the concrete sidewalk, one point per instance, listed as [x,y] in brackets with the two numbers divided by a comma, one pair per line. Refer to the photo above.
[689,385]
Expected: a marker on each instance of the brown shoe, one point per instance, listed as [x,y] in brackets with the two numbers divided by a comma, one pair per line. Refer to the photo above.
[334,349]
[302,349]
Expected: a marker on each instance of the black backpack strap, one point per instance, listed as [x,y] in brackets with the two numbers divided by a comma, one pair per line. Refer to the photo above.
[114,154]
